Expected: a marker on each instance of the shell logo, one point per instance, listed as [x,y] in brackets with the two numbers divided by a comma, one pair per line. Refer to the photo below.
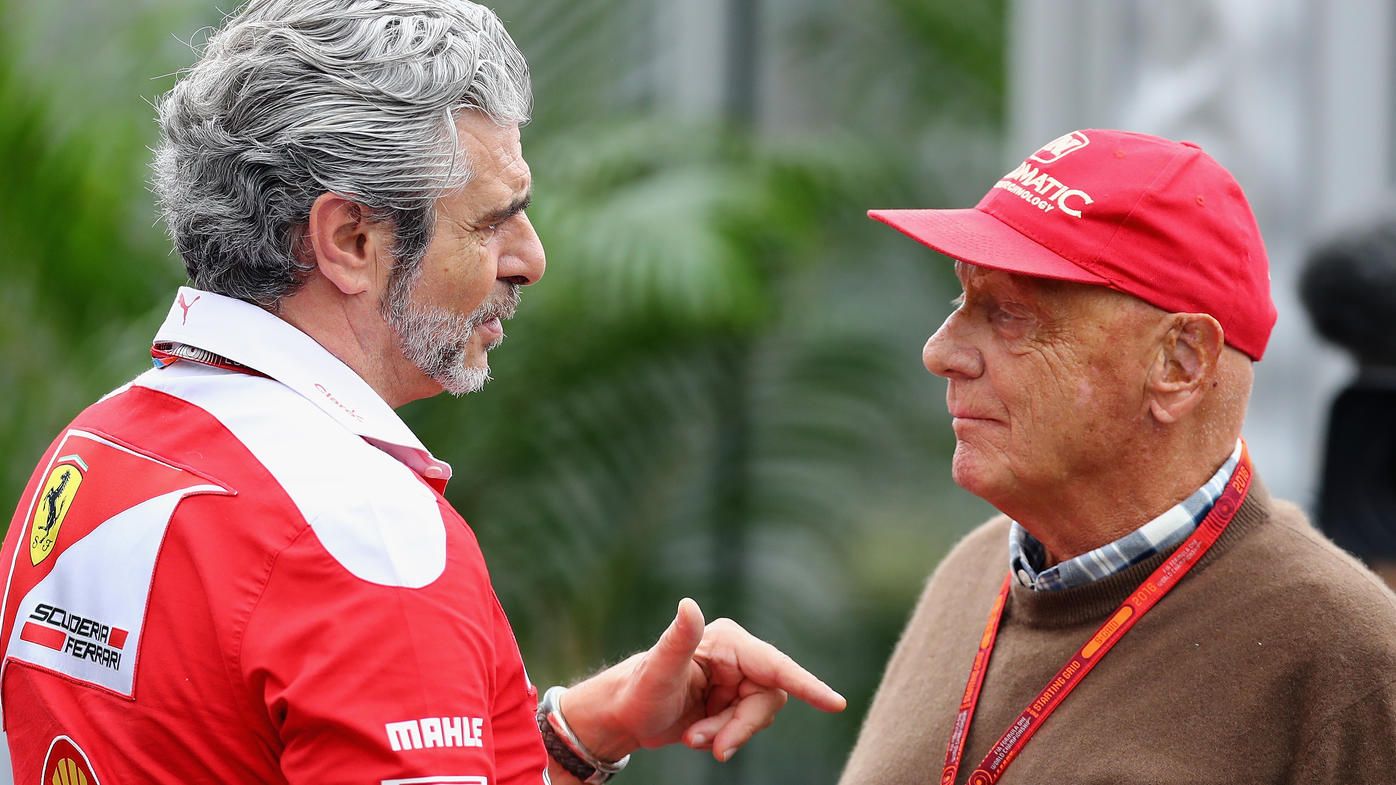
[67,764]
[68,772]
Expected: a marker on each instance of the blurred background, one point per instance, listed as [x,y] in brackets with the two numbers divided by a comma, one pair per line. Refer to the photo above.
[717,391]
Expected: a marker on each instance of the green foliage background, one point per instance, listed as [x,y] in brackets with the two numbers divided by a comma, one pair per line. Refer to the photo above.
[716,391]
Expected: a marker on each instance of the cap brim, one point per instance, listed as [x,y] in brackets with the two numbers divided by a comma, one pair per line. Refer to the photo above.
[973,236]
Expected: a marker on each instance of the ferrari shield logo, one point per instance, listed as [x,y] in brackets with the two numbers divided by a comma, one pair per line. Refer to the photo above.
[55,498]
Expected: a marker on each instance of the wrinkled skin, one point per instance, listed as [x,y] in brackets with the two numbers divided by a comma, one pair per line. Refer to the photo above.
[1047,387]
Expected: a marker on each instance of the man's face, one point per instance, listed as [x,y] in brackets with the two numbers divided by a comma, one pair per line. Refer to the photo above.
[447,313]
[1045,383]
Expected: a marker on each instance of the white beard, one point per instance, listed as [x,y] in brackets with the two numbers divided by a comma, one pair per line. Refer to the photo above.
[435,339]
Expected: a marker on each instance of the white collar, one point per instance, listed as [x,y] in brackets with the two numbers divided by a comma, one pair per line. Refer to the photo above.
[250,336]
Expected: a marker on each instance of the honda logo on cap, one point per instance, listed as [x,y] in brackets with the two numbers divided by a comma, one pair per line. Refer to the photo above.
[1061,146]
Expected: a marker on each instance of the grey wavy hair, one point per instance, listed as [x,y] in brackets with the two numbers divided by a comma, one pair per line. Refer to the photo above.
[294,98]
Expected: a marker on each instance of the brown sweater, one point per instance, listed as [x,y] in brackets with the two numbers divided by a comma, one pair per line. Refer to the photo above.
[1273,661]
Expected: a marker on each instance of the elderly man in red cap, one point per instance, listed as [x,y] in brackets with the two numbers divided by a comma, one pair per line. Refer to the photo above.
[1153,615]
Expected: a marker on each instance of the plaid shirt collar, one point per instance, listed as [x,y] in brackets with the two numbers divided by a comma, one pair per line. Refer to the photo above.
[1167,530]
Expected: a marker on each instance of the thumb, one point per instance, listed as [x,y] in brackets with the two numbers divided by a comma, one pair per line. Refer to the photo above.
[671,655]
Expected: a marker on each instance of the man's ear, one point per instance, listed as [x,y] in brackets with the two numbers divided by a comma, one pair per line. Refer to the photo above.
[344,244]
[1185,367]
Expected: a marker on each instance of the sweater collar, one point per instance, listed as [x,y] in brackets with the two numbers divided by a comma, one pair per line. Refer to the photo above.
[1092,602]
[1163,533]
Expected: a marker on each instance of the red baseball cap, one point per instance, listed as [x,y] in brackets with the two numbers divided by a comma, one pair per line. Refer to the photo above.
[1157,219]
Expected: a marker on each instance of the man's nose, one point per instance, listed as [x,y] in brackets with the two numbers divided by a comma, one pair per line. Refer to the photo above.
[947,354]
[523,261]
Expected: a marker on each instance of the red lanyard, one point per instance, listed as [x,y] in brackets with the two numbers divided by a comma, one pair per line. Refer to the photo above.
[1074,672]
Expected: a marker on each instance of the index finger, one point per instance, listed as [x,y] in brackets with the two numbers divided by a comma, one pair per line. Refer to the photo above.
[758,661]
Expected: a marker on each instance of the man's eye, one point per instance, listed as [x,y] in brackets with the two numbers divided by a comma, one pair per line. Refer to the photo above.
[1007,317]
[498,224]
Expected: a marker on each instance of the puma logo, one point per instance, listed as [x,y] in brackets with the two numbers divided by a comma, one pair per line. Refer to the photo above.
[186,306]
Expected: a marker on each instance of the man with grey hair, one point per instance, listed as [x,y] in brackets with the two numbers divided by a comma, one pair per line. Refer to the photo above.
[240,567]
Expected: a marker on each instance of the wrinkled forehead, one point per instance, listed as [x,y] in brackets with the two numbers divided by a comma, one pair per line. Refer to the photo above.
[1049,294]
[974,278]
[494,154]
[488,144]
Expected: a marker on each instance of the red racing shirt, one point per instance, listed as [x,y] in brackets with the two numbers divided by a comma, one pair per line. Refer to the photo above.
[246,572]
